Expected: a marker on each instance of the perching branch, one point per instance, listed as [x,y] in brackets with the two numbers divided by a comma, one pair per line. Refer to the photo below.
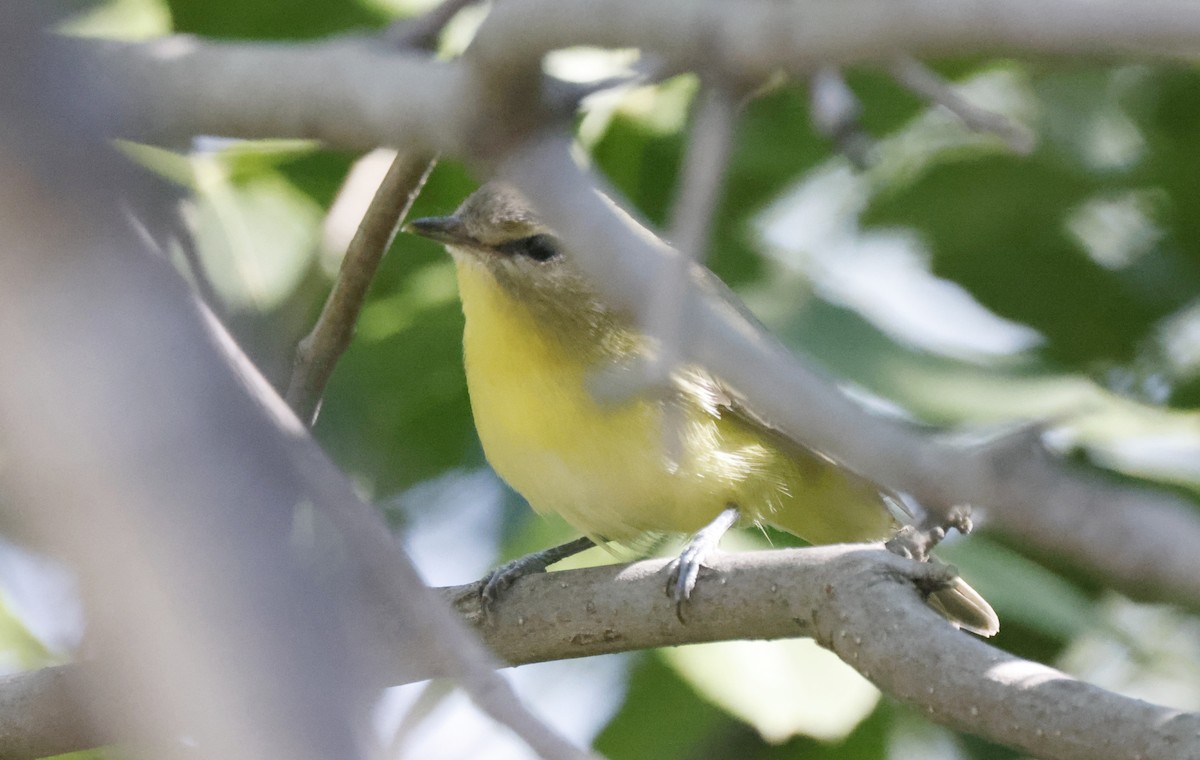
[319,351]
[858,600]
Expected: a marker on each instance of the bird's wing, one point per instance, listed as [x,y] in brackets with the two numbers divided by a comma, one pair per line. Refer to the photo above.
[721,400]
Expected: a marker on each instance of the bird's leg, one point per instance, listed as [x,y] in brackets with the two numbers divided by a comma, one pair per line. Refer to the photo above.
[685,569]
[498,581]
[917,541]
[944,590]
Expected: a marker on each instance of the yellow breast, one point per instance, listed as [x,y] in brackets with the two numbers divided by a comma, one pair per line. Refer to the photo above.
[604,468]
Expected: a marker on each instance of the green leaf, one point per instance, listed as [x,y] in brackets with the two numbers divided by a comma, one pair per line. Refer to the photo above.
[257,234]
[267,19]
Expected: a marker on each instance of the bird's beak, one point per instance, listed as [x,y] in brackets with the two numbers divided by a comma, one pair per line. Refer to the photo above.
[444,229]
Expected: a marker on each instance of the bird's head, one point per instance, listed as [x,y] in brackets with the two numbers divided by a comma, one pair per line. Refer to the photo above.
[497,229]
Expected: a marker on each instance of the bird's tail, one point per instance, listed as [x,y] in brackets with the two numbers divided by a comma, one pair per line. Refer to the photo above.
[965,608]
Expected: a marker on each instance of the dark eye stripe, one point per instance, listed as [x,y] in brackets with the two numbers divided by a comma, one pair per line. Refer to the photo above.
[536,247]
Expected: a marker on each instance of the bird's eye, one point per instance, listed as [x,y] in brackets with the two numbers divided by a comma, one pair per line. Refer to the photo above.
[536,247]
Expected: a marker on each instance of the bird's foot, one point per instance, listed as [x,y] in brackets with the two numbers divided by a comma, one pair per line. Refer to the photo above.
[684,570]
[496,583]
[939,583]
[917,541]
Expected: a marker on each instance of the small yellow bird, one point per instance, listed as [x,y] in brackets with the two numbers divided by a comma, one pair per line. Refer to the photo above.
[536,335]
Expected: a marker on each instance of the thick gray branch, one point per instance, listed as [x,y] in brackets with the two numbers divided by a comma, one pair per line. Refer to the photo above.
[750,40]
[348,93]
[858,600]
[358,94]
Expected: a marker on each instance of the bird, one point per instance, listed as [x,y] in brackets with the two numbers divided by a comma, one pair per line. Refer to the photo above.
[537,334]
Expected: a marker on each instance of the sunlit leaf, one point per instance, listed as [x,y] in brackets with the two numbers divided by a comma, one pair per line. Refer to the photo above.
[257,237]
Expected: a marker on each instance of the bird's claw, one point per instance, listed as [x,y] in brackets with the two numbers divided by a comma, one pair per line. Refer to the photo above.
[496,583]
[682,575]
[917,541]
[685,569]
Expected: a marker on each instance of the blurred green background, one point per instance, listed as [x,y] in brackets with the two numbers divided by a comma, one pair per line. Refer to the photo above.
[951,281]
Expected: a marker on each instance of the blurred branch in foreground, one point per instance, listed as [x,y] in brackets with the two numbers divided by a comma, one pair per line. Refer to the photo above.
[132,452]
[231,574]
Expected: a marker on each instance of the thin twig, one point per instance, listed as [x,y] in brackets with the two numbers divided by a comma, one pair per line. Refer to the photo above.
[925,82]
[432,695]
[182,235]
[319,351]
[171,229]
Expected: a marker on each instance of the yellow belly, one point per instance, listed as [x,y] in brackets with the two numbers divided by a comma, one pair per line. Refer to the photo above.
[604,469]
